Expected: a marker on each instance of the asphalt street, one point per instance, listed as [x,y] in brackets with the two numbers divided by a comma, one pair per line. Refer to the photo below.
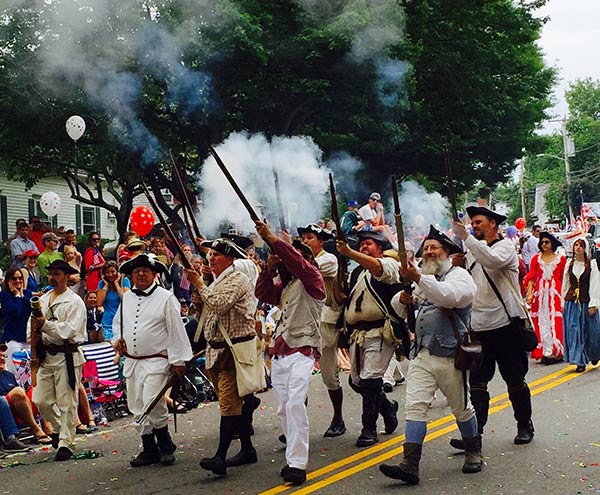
[564,457]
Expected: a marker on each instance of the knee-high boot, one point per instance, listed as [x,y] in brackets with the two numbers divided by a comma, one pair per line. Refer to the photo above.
[408,469]
[216,464]
[370,412]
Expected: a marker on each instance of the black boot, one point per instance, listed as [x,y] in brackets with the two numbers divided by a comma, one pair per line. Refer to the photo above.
[247,453]
[251,403]
[473,458]
[165,446]
[389,411]
[370,407]
[408,469]
[480,398]
[149,454]
[520,398]
[337,426]
[524,433]
[216,464]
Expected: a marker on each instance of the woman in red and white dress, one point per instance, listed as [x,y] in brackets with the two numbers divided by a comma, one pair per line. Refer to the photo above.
[544,287]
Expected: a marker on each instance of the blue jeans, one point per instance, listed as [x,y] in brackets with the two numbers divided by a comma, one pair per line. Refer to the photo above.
[7,422]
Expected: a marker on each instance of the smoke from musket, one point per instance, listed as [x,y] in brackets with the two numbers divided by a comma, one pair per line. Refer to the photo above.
[421,208]
[250,160]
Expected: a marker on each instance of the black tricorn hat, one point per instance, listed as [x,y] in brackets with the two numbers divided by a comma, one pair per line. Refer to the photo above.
[313,228]
[443,239]
[482,210]
[144,260]
[378,237]
[240,240]
[303,248]
[226,247]
[63,266]
[553,240]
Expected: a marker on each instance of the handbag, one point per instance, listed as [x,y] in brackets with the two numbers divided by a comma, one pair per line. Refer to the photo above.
[249,370]
[467,350]
[522,327]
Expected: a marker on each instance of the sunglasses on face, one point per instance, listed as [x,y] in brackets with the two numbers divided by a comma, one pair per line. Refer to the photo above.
[545,242]
[95,238]
[16,278]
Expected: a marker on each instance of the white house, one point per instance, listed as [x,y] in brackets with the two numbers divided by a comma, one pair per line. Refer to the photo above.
[17,202]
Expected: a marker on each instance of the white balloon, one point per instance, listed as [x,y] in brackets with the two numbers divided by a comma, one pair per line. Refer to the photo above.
[75,127]
[50,203]
[419,220]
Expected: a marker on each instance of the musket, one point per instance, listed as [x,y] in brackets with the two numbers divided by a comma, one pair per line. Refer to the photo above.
[187,207]
[282,225]
[35,340]
[335,215]
[184,261]
[410,308]
[172,379]
[451,191]
[236,188]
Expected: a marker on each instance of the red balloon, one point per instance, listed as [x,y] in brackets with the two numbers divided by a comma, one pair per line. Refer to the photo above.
[141,220]
[520,223]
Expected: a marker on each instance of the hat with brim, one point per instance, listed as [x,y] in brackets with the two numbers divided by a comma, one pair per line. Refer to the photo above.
[63,266]
[144,260]
[313,228]
[443,239]
[473,211]
[303,248]
[240,240]
[372,234]
[553,240]
[226,247]
[50,236]
[31,253]
[134,244]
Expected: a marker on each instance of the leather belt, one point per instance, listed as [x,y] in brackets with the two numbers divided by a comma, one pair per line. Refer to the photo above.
[366,325]
[221,344]
[157,355]
[54,349]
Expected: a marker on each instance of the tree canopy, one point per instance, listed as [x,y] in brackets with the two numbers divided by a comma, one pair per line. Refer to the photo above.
[389,84]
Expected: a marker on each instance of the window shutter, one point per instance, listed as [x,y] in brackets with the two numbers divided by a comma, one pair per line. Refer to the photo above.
[31,205]
[98,223]
[3,219]
[78,219]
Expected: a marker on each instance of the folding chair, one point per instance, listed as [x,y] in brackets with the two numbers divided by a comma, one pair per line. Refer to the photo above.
[101,379]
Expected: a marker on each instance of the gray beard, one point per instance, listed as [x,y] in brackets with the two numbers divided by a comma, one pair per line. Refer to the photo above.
[436,267]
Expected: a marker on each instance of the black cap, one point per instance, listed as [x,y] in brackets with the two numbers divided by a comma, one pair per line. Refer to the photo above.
[144,260]
[303,248]
[63,266]
[443,239]
[313,228]
[240,240]
[226,247]
[486,212]
[553,240]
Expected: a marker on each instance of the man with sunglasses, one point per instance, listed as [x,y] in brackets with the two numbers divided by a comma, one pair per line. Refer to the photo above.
[492,261]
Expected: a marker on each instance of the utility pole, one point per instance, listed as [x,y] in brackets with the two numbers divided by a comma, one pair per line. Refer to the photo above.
[568,150]
[522,188]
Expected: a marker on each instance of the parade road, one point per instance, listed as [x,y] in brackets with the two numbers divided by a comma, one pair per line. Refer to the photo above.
[564,457]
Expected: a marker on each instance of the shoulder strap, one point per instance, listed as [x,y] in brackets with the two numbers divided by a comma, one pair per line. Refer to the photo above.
[224,333]
[496,291]
[379,301]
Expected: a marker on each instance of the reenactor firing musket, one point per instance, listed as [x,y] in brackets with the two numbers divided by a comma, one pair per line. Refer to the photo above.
[184,261]
[335,215]
[410,308]
[188,212]
[282,225]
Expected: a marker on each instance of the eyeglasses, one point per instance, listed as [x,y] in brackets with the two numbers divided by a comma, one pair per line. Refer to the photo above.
[545,242]
[16,278]
[95,238]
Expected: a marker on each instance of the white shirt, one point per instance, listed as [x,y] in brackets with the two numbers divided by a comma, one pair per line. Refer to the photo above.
[530,247]
[367,213]
[152,325]
[502,265]
[578,269]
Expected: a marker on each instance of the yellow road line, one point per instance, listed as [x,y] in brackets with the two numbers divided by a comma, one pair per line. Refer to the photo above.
[400,438]
[432,436]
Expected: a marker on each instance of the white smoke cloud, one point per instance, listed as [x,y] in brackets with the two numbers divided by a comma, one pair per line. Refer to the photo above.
[250,160]
[421,208]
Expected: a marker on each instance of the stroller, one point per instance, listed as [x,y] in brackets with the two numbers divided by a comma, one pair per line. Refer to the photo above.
[195,388]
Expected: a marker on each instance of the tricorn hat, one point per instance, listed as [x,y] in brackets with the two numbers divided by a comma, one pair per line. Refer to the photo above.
[486,212]
[62,265]
[226,247]
[443,239]
[144,260]
[240,240]
[553,240]
[378,237]
[313,228]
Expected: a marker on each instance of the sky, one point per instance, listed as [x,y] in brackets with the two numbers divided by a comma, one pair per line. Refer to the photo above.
[569,41]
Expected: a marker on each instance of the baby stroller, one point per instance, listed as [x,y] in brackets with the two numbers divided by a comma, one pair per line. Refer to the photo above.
[195,388]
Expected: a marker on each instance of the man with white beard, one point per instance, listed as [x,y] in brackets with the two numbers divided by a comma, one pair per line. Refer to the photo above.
[443,292]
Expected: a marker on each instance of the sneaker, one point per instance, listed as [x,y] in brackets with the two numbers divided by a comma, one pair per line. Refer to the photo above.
[15,445]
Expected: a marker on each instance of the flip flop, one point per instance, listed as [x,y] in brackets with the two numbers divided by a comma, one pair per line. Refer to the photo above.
[41,440]
[82,430]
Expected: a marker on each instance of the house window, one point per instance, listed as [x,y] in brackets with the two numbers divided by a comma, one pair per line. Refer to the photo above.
[37,211]
[88,219]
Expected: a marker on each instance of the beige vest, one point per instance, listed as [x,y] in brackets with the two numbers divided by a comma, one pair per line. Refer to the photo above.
[300,317]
